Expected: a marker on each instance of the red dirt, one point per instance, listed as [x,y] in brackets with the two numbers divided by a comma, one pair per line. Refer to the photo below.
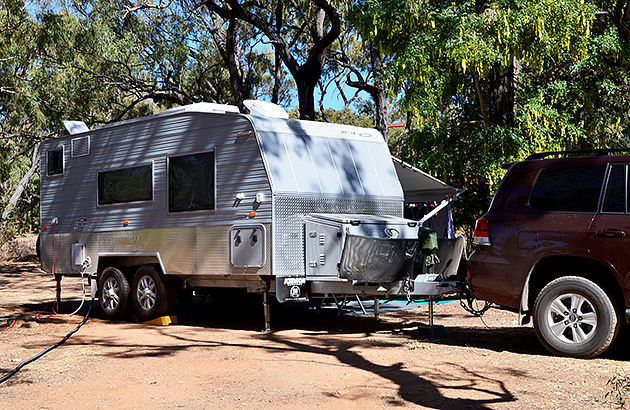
[218,358]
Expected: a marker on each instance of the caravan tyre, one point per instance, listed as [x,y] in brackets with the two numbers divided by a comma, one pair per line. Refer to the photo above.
[113,293]
[152,294]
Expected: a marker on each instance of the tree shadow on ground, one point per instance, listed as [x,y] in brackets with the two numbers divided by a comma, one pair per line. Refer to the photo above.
[413,387]
[247,315]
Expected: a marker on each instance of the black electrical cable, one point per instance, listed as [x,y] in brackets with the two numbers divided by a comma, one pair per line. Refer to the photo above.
[43,352]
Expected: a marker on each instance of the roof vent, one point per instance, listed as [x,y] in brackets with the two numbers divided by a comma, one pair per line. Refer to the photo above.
[265,109]
[75,127]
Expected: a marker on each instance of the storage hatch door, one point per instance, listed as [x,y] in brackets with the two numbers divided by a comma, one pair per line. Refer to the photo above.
[247,246]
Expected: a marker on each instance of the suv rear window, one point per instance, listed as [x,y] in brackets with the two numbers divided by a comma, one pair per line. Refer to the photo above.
[615,197]
[568,189]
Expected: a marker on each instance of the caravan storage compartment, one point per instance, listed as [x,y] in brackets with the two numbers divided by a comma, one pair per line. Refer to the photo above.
[357,247]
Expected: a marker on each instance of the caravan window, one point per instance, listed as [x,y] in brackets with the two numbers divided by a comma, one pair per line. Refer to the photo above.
[191,182]
[125,185]
[55,162]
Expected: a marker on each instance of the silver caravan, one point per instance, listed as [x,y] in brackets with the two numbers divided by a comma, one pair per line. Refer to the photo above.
[202,196]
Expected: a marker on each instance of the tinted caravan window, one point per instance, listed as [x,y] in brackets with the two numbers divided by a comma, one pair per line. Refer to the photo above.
[125,185]
[568,189]
[191,182]
[55,162]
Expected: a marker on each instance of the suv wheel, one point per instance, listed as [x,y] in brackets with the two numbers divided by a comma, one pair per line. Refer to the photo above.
[575,317]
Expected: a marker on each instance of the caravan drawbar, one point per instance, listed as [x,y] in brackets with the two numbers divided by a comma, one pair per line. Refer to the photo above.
[202,196]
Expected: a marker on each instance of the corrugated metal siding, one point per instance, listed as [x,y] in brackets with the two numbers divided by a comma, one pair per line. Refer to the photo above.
[239,168]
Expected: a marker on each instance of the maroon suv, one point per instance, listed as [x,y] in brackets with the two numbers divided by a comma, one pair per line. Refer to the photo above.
[555,245]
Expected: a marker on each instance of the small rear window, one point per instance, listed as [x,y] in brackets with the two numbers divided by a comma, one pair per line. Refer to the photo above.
[568,189]
[55,162]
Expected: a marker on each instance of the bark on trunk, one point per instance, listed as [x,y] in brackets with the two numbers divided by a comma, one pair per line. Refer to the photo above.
[482,100]
[378,90]
[380,93]
[306,95]
[21,187]
[225,41]
[501,83]
[621,19]
[277,75]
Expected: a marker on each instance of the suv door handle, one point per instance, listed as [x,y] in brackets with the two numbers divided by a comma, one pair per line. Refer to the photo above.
[611,233]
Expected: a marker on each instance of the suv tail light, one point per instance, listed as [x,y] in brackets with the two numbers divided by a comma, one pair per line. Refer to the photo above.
[482,235]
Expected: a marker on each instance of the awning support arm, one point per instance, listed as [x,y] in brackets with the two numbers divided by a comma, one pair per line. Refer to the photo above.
[441,206]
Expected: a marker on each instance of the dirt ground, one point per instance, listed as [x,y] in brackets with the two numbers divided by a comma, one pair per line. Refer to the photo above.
[217,357]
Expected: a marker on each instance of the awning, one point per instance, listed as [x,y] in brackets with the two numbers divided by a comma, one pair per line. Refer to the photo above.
[419,186]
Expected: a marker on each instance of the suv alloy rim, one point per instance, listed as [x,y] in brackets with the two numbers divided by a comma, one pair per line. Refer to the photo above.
[571,318]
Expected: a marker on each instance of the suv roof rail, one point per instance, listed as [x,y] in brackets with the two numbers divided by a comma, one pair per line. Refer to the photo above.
[583,152]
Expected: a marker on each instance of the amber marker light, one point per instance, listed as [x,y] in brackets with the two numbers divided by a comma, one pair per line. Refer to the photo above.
[252,214]
[125,223]
[45,228]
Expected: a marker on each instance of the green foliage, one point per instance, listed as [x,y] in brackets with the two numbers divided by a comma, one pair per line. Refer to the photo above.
[571,82]
[106,60]
[101,61]
[360,116]
[619,389]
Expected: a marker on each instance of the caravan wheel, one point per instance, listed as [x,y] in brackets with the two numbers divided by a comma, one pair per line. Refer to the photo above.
[152,294]
[113,293]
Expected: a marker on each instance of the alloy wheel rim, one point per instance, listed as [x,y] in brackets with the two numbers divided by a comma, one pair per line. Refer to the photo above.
[145,292]
[111,294]
[572,318]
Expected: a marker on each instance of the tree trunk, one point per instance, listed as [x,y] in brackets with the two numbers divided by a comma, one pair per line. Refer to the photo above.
[621,19]
[236,79]
[21,187]
[501,85]
[380,93]
[307,74]
[277,74]
[482,99]
[306,95]
[227,47]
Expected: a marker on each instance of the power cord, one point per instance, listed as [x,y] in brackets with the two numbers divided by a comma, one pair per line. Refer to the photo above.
[43,352]
[84,266]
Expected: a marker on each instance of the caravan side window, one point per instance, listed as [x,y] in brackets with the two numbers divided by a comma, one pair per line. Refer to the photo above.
[125,185]
[55,162]
[191,182]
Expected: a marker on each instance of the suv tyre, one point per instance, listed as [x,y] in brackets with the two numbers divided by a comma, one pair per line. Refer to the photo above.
[573,316]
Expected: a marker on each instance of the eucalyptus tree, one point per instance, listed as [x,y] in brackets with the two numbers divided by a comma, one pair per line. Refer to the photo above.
[300,31]
[358,62]
[95,61]
[486,82]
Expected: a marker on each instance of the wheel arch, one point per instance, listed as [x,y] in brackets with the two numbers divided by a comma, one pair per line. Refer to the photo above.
[129,261]
[554,267]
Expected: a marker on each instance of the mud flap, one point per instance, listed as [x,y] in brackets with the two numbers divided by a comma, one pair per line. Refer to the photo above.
[292,289]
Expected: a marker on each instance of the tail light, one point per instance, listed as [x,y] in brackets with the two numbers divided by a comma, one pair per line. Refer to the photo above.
[482,234]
